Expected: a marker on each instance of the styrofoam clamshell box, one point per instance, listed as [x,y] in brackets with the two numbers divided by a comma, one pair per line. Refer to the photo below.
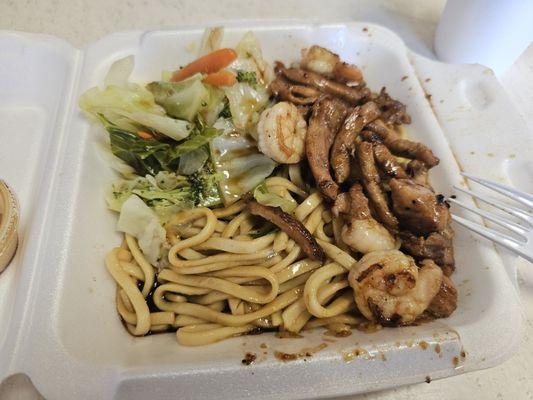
[58,322]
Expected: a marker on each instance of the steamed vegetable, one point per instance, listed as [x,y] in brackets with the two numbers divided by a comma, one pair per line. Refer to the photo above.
[137,219]
[264,197]
[220,78]
[150,156]
[130,106]
[181,99]
[238,161]
[193,161]
[250,59]
[211,40]
[246,104]
[212,62]
[167,193]
[113,161]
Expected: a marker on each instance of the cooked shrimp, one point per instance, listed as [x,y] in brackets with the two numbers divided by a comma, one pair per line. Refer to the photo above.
[281,133]
[319,60]
[390,289]
[362,232]
[324,62]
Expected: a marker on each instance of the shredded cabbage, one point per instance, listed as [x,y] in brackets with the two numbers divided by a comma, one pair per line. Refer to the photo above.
[137,219]
[113,161]
[193,161]
[239,162]
[250,59]
[263,196]
[119,72]
[183,99]
[167,193]
[131,108]
[246,104]
[211,40]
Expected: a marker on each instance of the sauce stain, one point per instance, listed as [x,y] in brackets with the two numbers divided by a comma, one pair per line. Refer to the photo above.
[249,358]
[437,348]
[368,327]
[423,345]
[287,335]
[306,352]
[338,333]
[357,352]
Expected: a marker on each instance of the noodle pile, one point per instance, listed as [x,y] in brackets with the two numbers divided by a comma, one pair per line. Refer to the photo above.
[229,273]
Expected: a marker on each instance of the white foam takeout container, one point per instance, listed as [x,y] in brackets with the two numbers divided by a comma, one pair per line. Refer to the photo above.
[58,322]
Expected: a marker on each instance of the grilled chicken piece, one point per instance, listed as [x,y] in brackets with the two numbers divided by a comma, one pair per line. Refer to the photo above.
[353,95]
[437,246]
[292,227]
[297,94]
[371,181]
[387,162]
[392,111]
[344,144]
[326,119]
[398,146]
[417,208]
[418,171]
[445,302]
[341,205]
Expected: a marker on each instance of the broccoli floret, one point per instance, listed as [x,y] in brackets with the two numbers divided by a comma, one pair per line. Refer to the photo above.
[247,77]
[204,187]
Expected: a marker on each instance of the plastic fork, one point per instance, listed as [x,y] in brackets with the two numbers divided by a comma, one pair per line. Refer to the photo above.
[521,240]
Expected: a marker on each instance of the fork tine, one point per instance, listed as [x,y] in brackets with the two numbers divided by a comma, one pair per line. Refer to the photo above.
[497,237]
[494,218]
[514,211]
[524,198]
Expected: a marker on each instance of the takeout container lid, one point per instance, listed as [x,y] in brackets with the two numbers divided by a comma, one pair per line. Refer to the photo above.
[9,218]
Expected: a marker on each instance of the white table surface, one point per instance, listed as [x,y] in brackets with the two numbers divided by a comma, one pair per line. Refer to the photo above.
[82,22]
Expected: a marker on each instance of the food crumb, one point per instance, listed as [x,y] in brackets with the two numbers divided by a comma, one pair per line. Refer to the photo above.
[455,361]
[382,356]
[437,348]
[249,358]
[463,354]
[427,79]
[263,345]
[357,352]
[428,96]
[404,78]
[304,353]
[472,152]
[428,379]
[423,345]
[368,327]
[365,29]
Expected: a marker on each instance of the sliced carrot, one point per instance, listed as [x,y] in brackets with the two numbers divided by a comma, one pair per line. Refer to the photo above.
[220,78]
[145,135]
[212,62]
